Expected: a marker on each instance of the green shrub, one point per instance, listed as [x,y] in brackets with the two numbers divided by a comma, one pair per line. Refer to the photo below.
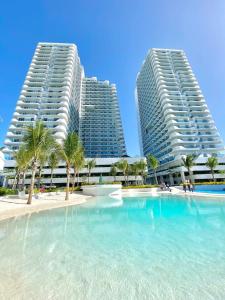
[51,189]
[140,186]
[77,188]
[207,183]
[104,183]
[4,191]
[36,191]
[113,182]
[56,189]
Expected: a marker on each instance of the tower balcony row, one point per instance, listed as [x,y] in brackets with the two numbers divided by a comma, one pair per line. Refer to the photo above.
[162,78]
[48,107]
[51,61]
[182,150]
[53,73]
[47,79]
[51,89]
[34,94]
[36,102]
[69,56]
[32,118]
[175,131]
[21,127]
[62,71]
[194,140]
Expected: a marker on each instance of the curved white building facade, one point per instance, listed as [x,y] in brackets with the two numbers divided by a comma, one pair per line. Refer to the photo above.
[174,119]
[51,93]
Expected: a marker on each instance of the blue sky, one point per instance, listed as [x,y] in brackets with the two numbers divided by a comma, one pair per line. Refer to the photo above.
[113,38]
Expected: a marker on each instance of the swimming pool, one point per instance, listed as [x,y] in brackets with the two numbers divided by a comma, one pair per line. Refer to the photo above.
[211,192]
[164,247]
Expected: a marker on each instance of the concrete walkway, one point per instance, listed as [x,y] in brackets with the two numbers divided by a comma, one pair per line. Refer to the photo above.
[12,206]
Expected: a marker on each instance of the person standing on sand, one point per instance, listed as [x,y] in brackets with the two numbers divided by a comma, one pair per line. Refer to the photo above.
[184,187]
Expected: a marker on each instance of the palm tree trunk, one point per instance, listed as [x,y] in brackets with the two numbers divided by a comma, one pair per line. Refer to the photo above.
[39,179]
[213,175]
[14,182]
[89,175]
[190,175]
[18,181]
[34,168]
[23,182]
[156,180]
[143,178]
[74,180]
[125,182]
[67,182]
[136,179]
[51,177]
[78,178]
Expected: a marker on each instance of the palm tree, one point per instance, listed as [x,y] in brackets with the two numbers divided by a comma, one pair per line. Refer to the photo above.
[90,165]
[41,163]
[134,168]
[142,166]
[53,162]
[123,166]
[67,152]
[15,179]
[189,162]
[211,163]
[37,141]
[153,164]
[113,171]
[79,167]
[129,171]
[22,163]
[78,163]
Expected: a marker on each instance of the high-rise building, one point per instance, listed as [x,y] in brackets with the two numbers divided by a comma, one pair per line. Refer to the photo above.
[100,123]
[174,119]
[56,91]
[51,93]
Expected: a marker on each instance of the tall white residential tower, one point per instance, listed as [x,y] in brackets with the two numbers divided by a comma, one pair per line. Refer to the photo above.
[51,93]
[100,123]
[174,119]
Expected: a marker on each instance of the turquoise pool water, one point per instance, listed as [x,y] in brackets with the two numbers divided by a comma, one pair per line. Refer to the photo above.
[211,192]
[136,248]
